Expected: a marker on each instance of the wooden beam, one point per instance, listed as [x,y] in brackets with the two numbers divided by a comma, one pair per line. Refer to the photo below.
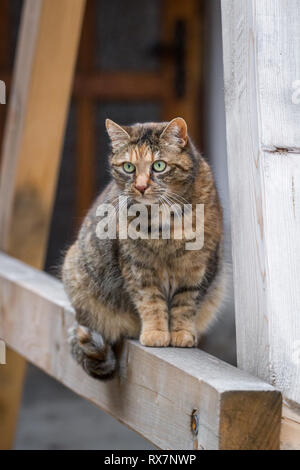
[120,85]
[157,391]
[261,42]
[33,138]
[11,385]
[113,86]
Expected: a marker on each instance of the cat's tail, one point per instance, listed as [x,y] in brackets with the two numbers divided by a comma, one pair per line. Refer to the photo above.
[89,349]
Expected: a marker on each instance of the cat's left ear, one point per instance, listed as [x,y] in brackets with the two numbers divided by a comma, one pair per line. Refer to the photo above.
[118,135]
[176,132]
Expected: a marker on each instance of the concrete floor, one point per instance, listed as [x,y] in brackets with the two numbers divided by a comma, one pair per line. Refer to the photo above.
[52,417]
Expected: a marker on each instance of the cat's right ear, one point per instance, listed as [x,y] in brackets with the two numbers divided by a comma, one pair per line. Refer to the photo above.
[118,136]
[176,133]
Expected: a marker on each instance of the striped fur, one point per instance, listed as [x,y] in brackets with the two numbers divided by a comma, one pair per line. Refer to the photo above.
[154,290]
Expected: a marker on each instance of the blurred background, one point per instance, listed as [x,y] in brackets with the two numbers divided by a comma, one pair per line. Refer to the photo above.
[139,60]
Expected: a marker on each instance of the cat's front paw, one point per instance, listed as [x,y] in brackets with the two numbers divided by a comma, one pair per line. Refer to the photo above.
[155,338]
[182,339]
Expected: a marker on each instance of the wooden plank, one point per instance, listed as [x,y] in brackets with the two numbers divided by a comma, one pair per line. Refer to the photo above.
[32,144]
[261,41]
[156,391]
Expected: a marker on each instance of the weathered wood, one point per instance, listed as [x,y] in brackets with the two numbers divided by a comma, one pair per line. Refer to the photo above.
[33,137]
[36,123]
[261,41]
[156,391]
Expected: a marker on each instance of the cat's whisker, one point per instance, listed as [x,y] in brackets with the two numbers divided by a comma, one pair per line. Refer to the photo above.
[164,204]
[184,201]
[174,205]
[180,196]
[173,200]
[176,200]
[117,208]
[170,204]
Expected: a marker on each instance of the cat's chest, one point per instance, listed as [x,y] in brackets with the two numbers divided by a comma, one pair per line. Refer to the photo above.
[167,264]
[168,281]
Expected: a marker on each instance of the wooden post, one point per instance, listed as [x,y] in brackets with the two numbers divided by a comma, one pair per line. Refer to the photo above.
[261,40]
[33,138]
[85,118]
[5,29]
[190,16]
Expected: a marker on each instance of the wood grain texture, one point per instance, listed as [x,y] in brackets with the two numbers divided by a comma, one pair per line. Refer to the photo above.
[277,38]
[31,152]
[35,124]
[156,391]
[12,375]
[261,41]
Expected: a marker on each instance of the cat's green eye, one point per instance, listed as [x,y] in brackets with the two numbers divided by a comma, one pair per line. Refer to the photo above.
[128,167]
[159,166]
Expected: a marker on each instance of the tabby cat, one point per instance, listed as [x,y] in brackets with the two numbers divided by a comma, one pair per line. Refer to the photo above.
[152,289]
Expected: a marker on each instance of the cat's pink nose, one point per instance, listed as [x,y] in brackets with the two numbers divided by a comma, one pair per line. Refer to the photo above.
[141,187]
